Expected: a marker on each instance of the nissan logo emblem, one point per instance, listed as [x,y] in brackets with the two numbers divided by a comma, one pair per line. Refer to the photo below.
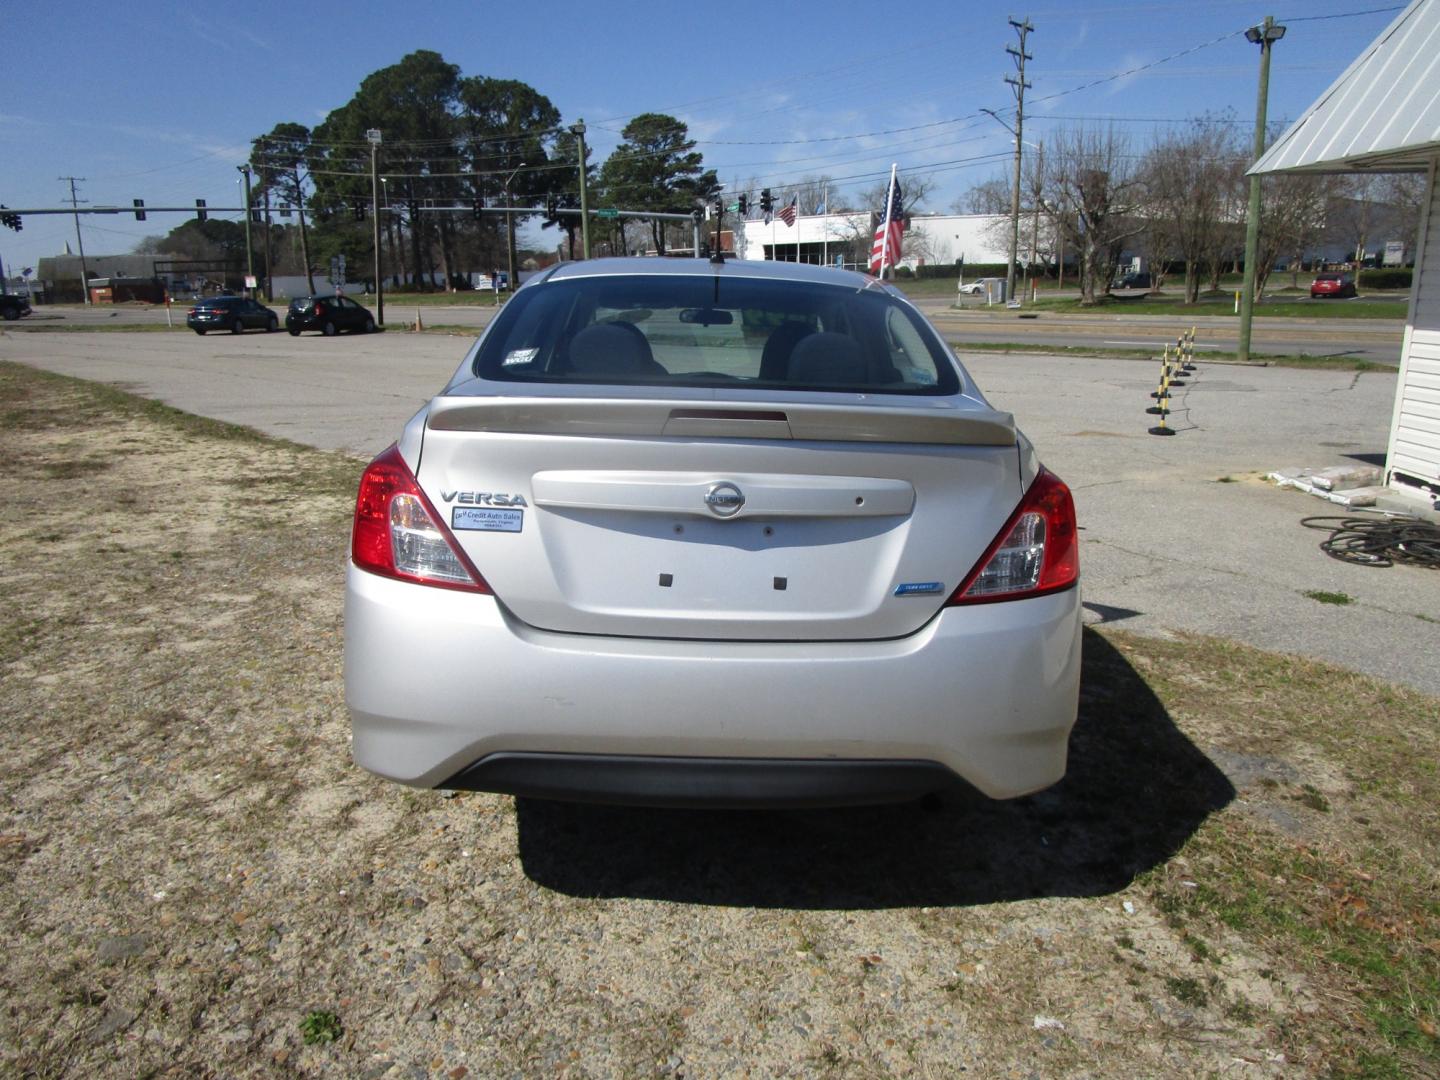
[724,500]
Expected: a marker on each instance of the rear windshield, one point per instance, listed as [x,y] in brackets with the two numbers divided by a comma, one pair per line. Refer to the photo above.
[712,331]
[305,303]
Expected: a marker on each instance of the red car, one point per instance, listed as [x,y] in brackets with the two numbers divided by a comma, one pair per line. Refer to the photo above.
[1338,285]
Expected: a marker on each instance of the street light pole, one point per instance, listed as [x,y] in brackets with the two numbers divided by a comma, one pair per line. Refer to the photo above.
[1264,35]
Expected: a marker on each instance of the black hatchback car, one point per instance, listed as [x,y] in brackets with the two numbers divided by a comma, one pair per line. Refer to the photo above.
[13,307]
[233,313]
[328,314]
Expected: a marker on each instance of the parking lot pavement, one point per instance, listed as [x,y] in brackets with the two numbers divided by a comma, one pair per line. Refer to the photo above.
[1179,533]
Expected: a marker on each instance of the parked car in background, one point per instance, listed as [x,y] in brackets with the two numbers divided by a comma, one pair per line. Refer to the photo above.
[1336,285]
[234,313]
[1135,279]
[13,307]
[328,314]
[972,288]
[687,533]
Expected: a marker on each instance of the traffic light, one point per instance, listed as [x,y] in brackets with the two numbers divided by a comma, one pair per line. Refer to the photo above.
[552,207]
[477,209]
[200,214]
[257,217]
[744,204]
[284,210]
[357,209]
[719,207]
[10,220]
[139,209]
[767,203]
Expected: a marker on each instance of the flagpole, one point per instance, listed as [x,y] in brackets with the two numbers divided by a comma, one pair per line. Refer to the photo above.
[796,204]
[889,205]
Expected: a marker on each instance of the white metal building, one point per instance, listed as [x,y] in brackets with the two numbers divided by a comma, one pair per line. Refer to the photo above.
[1383,115]
[943,239]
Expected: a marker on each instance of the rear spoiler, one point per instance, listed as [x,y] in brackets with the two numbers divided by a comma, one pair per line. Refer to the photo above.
[936,421]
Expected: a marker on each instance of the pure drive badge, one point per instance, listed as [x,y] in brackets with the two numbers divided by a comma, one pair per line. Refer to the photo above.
[920,588]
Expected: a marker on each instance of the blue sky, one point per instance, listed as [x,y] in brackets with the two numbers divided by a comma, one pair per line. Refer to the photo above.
[160,102]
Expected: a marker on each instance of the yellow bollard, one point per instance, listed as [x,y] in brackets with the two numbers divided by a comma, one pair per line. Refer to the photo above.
[419,325]
[1162,395]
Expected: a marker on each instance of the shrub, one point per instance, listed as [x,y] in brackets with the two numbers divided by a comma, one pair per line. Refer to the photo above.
[1395,277]
[950,270]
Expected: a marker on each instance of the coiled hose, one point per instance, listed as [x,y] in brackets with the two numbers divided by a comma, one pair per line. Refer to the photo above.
[1379,541]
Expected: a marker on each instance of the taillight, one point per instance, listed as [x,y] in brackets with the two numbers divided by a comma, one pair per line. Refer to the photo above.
[398,533]
[1037,551]
[319,309]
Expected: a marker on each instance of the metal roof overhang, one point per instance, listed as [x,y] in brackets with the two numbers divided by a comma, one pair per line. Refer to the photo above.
[1381,115]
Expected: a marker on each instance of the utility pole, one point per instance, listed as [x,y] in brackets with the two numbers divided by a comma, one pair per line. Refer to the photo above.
[578,130]
[269,260]
[1264,35]
[75,202]
[373,136]
[510,231]
[1018,85]
[249,248]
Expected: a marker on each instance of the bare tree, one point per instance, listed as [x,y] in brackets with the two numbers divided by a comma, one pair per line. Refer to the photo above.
[1353,211]
[1094,197]
[1292,218]
[1404,195]
[1188,174]
[989,197]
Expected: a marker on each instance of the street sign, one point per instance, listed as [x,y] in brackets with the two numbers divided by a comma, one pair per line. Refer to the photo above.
[607,212]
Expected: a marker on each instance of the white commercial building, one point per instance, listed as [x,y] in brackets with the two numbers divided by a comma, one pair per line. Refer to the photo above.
[932,239]
[1383,115]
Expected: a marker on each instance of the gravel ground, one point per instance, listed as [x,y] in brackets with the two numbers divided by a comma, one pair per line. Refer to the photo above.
[194,876]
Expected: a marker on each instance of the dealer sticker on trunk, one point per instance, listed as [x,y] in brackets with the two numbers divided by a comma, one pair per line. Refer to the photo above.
[487,519]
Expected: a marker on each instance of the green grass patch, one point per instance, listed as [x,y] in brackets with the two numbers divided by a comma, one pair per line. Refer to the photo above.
[1319,363]
[320,1027]
[1321,596]
[1346,894]
[1166,304]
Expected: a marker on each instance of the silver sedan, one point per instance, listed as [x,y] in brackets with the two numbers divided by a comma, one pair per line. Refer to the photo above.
[681,532]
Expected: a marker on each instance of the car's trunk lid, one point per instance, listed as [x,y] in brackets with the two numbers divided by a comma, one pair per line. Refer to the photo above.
[708,518]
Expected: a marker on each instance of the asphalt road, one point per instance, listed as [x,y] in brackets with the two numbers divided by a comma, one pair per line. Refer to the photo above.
[1377,340]
[1168,545]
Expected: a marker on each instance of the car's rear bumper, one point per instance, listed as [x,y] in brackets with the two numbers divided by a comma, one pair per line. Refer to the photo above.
[446,687]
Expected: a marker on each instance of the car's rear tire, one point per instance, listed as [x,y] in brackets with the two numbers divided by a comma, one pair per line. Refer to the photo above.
[238,326]
[11,314]
[369,325]
[294,332]
[199,331]
[272,325]
[329,329]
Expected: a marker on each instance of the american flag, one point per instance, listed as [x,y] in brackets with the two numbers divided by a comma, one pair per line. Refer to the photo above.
[885,251]
[788,213]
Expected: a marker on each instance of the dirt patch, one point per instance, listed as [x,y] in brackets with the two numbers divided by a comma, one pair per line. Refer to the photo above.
[195,880]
